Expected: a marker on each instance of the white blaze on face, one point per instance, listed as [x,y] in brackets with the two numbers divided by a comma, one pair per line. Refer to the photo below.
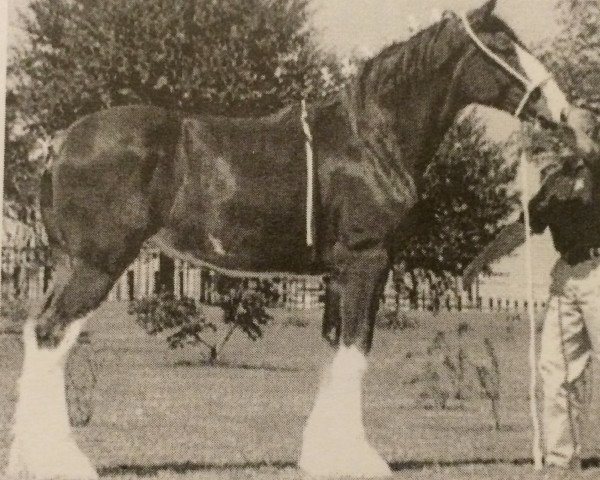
[537,73]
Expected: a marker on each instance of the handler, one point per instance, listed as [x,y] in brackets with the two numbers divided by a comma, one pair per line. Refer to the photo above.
[568,203]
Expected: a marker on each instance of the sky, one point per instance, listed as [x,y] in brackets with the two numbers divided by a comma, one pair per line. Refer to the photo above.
[347,25]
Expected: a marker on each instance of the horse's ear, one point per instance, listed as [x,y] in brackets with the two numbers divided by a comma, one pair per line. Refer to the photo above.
[481,14]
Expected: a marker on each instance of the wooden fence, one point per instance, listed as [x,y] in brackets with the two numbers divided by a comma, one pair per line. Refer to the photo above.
[26,276]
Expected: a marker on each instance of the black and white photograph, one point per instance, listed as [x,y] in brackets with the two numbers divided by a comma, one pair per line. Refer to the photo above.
[300,239]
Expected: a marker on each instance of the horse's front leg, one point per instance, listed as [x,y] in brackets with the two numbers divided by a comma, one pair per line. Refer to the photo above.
[334,442]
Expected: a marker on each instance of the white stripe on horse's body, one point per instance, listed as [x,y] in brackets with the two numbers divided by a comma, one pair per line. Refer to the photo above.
[334,442]
[539,75]
[217,245]
[43,446]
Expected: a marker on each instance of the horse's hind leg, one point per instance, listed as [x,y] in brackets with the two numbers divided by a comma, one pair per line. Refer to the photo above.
[43,446]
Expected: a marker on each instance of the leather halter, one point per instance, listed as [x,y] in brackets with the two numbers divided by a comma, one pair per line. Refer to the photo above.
[529,84]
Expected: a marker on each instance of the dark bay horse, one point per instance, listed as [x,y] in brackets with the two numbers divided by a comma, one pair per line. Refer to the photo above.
[232,192]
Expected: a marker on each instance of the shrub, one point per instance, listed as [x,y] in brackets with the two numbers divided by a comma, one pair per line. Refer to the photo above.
[395,320]
[460,370]
[183,319]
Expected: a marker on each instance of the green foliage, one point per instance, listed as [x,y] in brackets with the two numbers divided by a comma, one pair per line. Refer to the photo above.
[395,320]
[466,195]
[460,367]
[574,55]
[228,57]
[14,310]
[22,169]
[228,286]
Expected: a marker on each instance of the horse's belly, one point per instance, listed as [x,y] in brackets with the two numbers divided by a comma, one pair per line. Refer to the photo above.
[241,249]
[260,224]
[268,237]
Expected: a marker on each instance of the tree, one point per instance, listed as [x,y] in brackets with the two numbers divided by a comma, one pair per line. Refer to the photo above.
[22,166]
[466,196]
[574,55]
[229,57]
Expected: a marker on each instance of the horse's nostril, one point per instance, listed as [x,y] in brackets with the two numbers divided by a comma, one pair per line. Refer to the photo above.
[564,116]
[544,123]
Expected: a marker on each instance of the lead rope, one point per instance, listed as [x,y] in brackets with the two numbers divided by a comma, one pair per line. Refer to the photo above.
[533,367]
[309,174]
[530,87]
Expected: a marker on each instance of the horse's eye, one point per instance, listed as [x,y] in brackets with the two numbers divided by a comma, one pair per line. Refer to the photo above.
[536,94]
[503,43]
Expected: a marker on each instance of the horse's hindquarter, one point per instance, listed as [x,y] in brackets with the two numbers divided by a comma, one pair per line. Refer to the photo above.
[113,176]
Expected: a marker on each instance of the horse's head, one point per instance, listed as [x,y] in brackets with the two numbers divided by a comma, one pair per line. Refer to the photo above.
[497,70]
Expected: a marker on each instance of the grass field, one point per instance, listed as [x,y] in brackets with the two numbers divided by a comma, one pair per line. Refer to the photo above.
[164,414]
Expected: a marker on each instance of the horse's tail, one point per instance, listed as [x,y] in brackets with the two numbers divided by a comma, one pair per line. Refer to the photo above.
[47,190]
[46,208]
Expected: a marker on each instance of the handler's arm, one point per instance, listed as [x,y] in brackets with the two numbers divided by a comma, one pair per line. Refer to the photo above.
[513,235]
[509,238]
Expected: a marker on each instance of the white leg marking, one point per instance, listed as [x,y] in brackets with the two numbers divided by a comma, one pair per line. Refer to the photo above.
[43,446]
[537,72]
[334,441]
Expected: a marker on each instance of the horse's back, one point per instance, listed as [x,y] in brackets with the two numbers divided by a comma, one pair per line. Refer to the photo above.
[119,129]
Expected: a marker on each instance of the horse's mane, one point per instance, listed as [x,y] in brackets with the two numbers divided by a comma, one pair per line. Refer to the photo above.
[402,61]
[400,64]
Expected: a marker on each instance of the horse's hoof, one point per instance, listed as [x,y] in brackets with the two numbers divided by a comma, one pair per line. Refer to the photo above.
[372,468]
[63,461]
[360,460]
[37,471]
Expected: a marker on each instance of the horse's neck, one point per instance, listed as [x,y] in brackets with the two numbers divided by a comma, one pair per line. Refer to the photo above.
[401,138]
[411,133]
[416,111]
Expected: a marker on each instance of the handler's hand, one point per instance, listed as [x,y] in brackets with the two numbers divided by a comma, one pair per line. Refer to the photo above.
[507,240]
